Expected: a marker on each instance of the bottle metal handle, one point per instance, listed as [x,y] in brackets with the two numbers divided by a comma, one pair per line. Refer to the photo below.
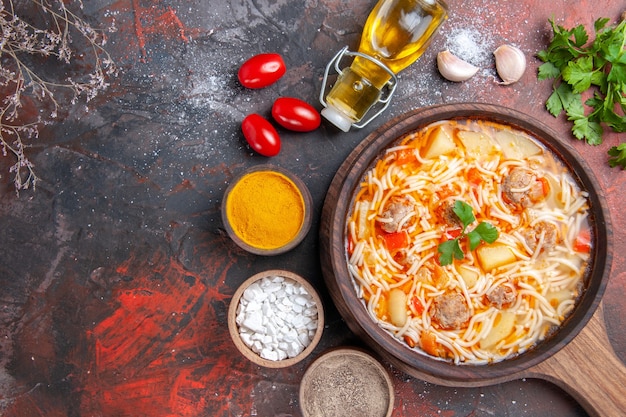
[385,99]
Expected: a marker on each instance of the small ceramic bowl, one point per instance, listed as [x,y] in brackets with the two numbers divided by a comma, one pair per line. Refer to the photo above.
[256,218]
[346,382]
[265,324]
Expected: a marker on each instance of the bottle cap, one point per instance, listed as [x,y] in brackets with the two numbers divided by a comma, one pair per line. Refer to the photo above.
[337,118]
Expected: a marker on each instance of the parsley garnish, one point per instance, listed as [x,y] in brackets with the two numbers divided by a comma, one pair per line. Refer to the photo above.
[618,155]
[484,232]
[577,65]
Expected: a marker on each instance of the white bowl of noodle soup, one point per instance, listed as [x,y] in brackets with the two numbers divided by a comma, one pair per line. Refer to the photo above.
[507,304]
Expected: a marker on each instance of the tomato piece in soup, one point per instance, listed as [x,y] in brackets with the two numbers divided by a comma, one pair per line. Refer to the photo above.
[582,243]
[396,241]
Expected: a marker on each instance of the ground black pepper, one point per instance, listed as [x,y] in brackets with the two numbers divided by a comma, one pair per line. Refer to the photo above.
[345,383]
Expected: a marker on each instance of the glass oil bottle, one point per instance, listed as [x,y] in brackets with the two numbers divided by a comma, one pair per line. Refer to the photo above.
[396,34]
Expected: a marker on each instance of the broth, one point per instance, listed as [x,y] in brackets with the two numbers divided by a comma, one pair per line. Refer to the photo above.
[492,302]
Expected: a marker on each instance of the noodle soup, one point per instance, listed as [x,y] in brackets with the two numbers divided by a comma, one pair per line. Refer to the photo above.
[490,301]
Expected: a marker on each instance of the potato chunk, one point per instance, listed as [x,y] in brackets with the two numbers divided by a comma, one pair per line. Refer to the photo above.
[469,276]
[440,142]
[503,326]
[516,146]
[494,256]
[397,307]
[477,143]
[557,297]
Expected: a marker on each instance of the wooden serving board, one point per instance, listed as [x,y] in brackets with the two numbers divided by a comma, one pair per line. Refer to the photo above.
[588,369]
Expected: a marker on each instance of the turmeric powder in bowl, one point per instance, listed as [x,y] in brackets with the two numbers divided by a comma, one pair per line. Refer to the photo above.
[266,210]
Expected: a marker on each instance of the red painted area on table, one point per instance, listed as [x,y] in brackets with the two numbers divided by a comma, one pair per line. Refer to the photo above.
[162,350]
[154,23]
[183,186]
[157,21]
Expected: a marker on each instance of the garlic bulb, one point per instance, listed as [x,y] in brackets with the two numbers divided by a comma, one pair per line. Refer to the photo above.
[454,68]
[510,63]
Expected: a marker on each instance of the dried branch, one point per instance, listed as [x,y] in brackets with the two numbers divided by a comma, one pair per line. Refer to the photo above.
[33,32]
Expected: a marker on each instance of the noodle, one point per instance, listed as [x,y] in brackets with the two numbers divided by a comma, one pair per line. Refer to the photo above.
[472,311]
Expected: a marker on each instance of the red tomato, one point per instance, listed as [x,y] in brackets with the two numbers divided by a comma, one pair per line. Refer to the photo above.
[545,186]
[474,176]
[294,114]
[582,243]
[405,156]
[451,234]
[350,246]
[260,135]
[261,70]
[417,305]
[396,240]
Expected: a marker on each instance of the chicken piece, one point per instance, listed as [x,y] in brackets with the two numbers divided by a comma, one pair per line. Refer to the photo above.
[550,236]
[446,214]
[522,188]
[503,296]
[404,258]
[395,212]
[450,311]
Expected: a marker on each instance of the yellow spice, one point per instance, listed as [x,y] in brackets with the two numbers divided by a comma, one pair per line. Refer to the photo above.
[265,209]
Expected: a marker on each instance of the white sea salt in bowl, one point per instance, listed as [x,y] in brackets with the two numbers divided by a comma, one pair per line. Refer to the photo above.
[276,318]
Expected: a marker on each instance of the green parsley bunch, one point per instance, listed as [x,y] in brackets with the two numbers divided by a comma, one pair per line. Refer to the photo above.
[577,65]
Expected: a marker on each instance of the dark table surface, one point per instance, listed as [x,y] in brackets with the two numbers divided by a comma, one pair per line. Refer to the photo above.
[116,273]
